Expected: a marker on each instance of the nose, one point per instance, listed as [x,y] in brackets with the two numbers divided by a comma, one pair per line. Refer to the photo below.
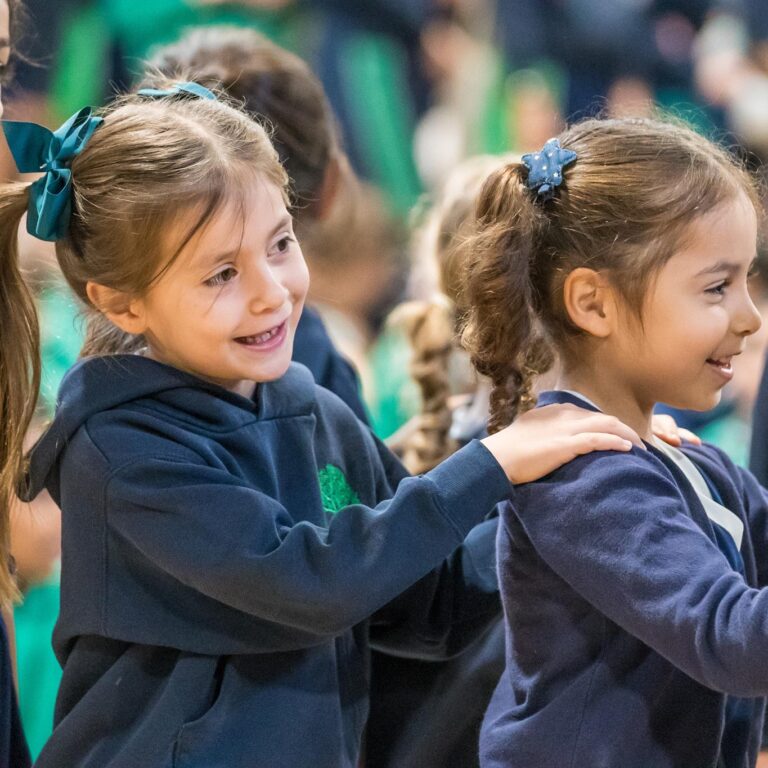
[267,291]
[748,319]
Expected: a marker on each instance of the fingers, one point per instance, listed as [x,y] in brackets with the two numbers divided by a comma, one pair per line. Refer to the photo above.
[571,419]
[689,436]
[665,428]
[587,442]
[609,425]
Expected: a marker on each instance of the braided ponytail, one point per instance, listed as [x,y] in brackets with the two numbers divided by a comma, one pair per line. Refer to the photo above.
[429,326]
[501,330]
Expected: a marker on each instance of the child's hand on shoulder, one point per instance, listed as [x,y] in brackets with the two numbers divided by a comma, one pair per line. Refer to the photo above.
[666,429]
[541,440]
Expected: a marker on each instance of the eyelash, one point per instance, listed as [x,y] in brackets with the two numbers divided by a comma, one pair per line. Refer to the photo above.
[219,279]
[719,289]
[287,240]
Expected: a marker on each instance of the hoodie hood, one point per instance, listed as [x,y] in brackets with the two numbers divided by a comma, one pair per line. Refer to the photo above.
[99,384]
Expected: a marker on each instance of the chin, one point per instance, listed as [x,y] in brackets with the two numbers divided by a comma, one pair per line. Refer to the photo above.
[275,373]
[701,404]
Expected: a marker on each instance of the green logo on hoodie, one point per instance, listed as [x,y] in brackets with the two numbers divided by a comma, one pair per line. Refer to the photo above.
[335,490]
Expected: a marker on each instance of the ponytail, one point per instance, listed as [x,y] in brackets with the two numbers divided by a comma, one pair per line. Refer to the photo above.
[19,369]
[501,330]
[430,330]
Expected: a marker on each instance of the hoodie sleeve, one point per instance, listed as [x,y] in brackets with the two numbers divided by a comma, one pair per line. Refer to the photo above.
[243,549]
[615,529]
[442,613]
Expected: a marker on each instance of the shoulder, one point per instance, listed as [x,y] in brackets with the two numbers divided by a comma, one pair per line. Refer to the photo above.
[131,434]
[606,480]
[717,465]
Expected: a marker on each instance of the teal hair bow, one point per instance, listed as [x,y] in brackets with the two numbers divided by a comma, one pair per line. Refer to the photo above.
[191,89]
[35,149]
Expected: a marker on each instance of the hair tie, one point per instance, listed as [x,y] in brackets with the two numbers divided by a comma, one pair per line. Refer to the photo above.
[36,148]
[189,89]
[545,168]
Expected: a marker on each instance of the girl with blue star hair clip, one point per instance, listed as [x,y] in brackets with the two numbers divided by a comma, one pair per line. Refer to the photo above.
[232,536]
[635,586]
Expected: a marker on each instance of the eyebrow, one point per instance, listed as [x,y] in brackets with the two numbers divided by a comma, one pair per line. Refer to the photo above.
[210,262]
[729,267]
[284,222]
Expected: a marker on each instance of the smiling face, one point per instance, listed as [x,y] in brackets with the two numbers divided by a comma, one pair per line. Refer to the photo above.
[697,314]
[227,308]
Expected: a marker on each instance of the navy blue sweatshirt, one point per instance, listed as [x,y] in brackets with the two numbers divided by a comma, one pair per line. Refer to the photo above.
[629,634]
[427,713]
[222,566]
[312,347]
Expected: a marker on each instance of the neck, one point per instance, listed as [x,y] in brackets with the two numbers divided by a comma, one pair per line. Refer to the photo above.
[611,398]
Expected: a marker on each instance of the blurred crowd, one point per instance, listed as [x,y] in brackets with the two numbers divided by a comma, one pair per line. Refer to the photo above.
[425,95]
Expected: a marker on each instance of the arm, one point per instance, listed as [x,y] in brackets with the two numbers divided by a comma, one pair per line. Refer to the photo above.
[449,608]
[616,530]
[243,549]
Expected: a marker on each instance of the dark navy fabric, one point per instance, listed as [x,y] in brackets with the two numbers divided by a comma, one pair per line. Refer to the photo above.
[427,713]
[627,628]
[312,347]
[14,752]
[758,454]
[224,560]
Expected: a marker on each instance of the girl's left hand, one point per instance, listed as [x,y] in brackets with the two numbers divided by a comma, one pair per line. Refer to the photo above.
[666,429]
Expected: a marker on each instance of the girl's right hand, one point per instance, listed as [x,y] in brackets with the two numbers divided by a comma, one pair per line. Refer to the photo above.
[543,439]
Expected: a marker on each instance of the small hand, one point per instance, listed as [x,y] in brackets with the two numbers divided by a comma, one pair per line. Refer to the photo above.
[541,440]
[666,429]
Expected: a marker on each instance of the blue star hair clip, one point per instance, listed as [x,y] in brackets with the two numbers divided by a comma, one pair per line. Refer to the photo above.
[189,89]
[545,168]
[35,149]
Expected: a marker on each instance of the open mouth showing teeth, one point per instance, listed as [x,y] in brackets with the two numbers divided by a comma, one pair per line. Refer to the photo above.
[724,364]
[261,338]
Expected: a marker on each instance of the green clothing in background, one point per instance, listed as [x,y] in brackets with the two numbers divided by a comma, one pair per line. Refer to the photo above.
[39,672]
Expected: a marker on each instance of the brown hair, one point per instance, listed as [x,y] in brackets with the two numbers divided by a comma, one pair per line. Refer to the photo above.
[430,324]
[271,84]
[623,208]
[149,163]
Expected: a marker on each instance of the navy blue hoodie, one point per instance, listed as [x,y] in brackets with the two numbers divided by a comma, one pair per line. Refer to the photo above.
[222,567]
[631,639]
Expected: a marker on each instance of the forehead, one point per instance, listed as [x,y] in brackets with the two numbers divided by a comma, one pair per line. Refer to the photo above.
[246,216]
[727,233]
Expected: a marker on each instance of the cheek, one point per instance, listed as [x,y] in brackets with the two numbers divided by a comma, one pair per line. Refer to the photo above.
[297,281]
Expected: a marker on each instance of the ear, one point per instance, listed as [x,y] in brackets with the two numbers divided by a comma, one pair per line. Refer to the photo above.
[590,302]
[127,313]
[329,189]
